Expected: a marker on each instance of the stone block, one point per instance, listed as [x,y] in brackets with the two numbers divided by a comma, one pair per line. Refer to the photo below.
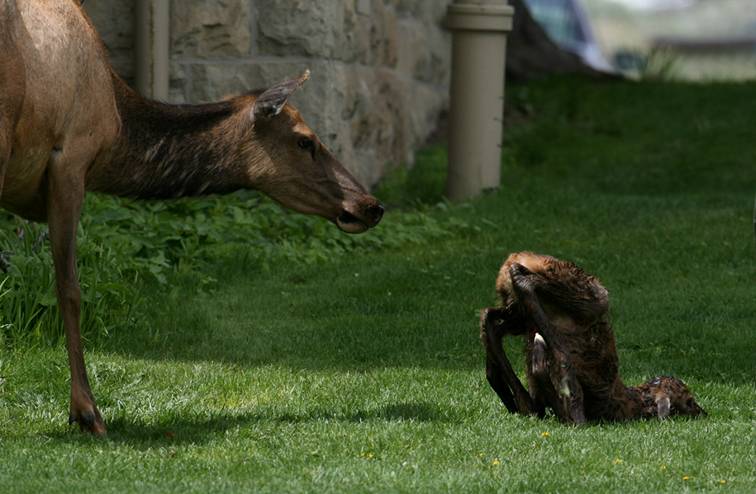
[356,34]
[428,12]
[383,35]
[115,23]
[214,81]
[179,83]
[210,28]
[300,27]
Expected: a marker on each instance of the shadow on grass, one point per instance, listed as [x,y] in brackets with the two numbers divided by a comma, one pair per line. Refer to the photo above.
[195,429]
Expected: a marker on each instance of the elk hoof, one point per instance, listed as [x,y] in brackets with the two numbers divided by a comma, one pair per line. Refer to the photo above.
[89,420]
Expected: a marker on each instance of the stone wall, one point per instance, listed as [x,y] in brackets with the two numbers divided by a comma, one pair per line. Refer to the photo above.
[380,68]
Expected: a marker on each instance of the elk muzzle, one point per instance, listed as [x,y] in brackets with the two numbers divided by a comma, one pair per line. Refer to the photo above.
[359,215]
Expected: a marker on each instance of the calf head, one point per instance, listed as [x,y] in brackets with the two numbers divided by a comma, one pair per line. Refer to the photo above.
[669,396]
[292,166]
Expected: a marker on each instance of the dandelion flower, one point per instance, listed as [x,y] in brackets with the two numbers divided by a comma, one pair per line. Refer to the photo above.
[663,467]
[496,462]
[545,434]
[685,477]
[722,482]
[617,461]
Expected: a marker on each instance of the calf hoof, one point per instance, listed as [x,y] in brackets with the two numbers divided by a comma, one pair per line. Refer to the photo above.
[89,420]
[520,276]
[539,364]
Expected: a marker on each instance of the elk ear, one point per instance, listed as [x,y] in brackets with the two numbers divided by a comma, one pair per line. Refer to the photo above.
[271,101]
[662,407]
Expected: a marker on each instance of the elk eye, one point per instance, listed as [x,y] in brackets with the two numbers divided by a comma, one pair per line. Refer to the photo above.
[306,144]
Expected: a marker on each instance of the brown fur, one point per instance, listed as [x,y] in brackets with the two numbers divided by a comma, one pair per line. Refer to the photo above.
[571,357]
[68,124]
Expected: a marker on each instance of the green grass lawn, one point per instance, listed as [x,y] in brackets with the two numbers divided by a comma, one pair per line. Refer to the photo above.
[364,373]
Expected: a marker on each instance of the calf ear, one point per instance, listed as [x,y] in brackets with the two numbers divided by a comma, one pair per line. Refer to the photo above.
[662,407]
[271,101]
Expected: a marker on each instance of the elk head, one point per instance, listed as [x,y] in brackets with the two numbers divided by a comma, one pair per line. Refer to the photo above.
[292,166]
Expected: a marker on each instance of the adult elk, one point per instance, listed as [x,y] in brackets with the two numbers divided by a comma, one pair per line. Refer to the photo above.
[571,359]
[69,124]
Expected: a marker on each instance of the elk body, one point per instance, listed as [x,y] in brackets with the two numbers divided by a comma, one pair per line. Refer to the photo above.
[69,124]
[571,357]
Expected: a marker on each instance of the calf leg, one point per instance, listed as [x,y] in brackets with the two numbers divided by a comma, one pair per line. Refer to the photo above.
[524,284]
[494,324]
[571,407]
[551,359]
[64,200]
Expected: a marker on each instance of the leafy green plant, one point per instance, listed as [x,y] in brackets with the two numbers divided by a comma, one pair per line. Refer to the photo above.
[28,306]
[123,245]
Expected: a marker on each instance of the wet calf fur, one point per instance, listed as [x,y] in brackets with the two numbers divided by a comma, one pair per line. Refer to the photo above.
[571,357]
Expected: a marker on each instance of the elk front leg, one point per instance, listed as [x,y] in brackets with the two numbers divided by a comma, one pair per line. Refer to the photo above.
[494,324]
[64,200]
[6,134]
[5,151]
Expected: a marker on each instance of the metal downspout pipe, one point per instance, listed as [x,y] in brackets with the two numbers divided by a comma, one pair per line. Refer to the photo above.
[479,35]
[152,48]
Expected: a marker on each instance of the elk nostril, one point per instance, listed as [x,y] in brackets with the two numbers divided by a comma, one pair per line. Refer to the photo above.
[375,212]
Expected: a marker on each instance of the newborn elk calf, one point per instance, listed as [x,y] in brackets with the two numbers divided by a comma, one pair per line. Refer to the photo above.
[571,358]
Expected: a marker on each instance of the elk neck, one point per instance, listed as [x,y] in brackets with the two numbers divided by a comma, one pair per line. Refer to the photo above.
[168,151]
